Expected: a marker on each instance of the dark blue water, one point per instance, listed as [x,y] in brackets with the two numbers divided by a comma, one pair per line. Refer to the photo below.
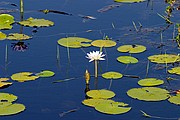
[45,100]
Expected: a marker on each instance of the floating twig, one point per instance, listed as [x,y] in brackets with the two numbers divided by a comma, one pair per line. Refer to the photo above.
[109,7]
[69,111]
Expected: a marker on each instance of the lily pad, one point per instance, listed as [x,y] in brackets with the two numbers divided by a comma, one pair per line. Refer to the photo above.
[111,107]
[175,70]
[6,21]
[103,43]
[129,1]
[175,99]
[10,109]
[2,36]
[6,97]
[148,93]
[45,73]
[94,102]
[3,82]
[164,58]
[33,22]
[18,36]
[127,59]
[74,42]
[112,75]
[150,82]
[100,94]
[23,76]
[132,48]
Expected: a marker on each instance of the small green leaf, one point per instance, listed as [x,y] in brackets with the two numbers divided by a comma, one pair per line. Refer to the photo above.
[45,73]
[23,76]
[129,1]
[6,97]
[175,70]
[127,59]
[100,94]
[103,43]
[131,48]
[6,21]
[175,99]
[112,75]
[150,82]
[94,102]
[2,36]
[33,22]
[18,36]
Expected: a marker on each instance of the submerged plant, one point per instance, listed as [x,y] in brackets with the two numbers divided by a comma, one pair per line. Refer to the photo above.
[19,46]
[95,56]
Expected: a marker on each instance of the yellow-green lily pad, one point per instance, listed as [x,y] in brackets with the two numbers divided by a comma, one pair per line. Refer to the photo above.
[3,82]
[45,73]
[74,42]
[112,107]
[23,76]
[112,75]
[164,58]
[18,36]
[132,48]
[100,94]
[2,36]
[6,97]
[10,109]
[103,43]
[175,70]
[148,94]
[127,59]
[94,102]
[150,82]
[129,1]
[34,22]
[175,99]
[6,21]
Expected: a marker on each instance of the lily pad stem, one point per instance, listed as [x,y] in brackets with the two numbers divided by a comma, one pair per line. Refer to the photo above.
[96,68]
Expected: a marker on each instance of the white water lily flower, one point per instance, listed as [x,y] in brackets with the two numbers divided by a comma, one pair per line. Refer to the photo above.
[95,55]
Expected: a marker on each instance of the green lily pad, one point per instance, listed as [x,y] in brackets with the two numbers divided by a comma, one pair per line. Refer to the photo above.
[33,22]
[148,93]
[6,97]
[74,42]
[112,75]
[23,76]
[94,102]
[175,70]
[175,99]
[45,73]
[6,21]
[103,43]
[18,36]
[3,82]
[100,94]
[131,48]
[10,109]
[111,107]
[2,36]
[150,82]
[129,1]
[164,58]
[127,59]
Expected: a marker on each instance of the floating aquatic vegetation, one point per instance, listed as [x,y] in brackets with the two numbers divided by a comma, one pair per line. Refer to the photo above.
[74,42]
[93,102]
[112,107]
[87,77]
[175,99]
[19,46]
[34,22]
[103,43]
[6,21]
[109,7]
[175,70]
[2,36]
[148,93]
[46,11]
[129,1]
[164,58]
[127,59]
[150,82]
[4,83]
[132,48]
[112,75]
[45,73]
[24,76]
[100,94]
[18,36]
[6,105]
